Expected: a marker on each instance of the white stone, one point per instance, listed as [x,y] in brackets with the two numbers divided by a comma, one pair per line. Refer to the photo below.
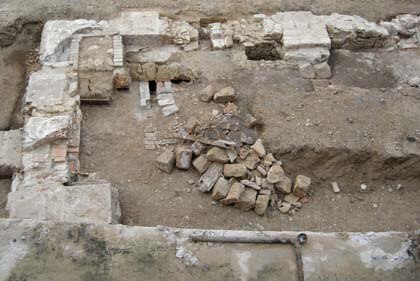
[95,203]
[56,38]
[10,152]
[41,130]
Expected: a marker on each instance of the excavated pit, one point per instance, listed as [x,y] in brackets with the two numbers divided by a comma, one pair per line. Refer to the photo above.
[113,147]
[358,129]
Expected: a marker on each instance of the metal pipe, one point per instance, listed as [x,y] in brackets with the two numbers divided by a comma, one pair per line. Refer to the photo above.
[296,242]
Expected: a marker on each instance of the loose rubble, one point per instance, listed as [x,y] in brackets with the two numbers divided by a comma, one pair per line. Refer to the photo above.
[236,170]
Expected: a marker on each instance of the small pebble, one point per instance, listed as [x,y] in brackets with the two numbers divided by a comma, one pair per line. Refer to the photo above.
[363,186]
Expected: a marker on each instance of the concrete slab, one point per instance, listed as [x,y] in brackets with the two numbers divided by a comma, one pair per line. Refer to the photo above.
[160,253]
[95,203]
[10,152]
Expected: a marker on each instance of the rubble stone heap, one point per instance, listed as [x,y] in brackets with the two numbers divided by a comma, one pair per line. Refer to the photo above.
[234,165]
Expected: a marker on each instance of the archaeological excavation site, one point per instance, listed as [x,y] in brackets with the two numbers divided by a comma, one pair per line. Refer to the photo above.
[210,140]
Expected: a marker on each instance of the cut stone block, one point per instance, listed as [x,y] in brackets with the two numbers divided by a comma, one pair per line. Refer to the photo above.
[42,130]
[234,194]
[10,152]
[51,99]
[234,170]
[144,92]
[301,186]
[96,86]
[166,161]
[210,177]
[56,35]
[169,110]
[201,163]
[183,156]
[95,203]
[247,199]
[225,95]
[217,154]
[141,28]
[221,189]
[305,37]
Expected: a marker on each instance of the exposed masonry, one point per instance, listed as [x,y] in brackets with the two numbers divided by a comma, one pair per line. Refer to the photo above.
[51,134]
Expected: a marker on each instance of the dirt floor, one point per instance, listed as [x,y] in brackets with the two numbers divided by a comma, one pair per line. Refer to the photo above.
[113,147]
[5,185]
[14,61]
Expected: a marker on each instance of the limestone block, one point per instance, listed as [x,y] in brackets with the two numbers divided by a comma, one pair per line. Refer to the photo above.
[42,130]
[53,98]
[95,203]
[140,27]
[56,37]
[10,152]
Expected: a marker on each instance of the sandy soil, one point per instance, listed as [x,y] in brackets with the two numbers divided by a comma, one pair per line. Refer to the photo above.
[113,146]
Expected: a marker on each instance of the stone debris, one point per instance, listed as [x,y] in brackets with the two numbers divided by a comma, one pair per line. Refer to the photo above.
[250,120]
[217,154]
[250,184]
[42,130]
[10,152]
[275,174]
[166,161]
[262,203]
[207,94]
[169,110]
[93,203]
[301,186]
[335,187]
[210,177]
[183,156]
[258,147]
[235,173]
[225,95]
[221,189]
[234,170]
[234,194]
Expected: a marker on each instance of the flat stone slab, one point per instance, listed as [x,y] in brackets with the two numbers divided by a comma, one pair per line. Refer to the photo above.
[95,203]
[27,244]
[10,152]
[139,27]
[56,36]
[47,92]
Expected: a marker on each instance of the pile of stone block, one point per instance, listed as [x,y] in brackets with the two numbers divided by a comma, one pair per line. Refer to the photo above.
[234,166]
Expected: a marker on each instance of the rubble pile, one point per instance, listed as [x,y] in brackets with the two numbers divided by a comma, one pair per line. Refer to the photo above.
[232,160]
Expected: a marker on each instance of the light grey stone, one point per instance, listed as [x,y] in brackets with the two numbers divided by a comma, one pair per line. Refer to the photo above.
[57,33]
[225,95]
[201,163]
[221,189]
[95,203]
[210,177]
[41,130]
[322,71]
